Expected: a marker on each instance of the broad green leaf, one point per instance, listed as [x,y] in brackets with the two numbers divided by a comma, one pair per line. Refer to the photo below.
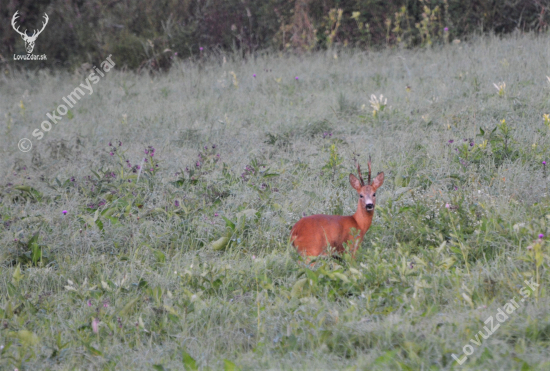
[229,223]
[220,244]
[17,276]
[229,366]
[188,361]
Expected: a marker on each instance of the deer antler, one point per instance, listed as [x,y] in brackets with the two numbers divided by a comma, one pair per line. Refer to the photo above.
[15,16]
[35,32]
[359,172]
[46,18]
[369,170]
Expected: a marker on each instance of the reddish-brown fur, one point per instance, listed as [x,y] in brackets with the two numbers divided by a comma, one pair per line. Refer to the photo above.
[312,234]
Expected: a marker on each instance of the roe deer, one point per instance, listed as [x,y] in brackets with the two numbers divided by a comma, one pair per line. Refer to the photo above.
[312,234]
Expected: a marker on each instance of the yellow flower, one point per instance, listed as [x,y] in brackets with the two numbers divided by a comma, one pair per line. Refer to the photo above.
[355,15]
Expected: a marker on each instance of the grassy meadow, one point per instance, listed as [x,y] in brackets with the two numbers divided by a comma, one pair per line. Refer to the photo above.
[149,228]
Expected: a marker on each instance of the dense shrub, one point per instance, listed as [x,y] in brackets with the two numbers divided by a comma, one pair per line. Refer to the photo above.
[147,33]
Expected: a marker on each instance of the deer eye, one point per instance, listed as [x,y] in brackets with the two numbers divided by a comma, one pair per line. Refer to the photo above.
[361,196]
[374,195]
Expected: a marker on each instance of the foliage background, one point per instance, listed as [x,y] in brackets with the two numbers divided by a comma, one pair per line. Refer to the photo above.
[148,33]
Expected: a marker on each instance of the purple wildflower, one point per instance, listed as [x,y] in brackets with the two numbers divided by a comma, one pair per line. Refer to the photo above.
[95,325]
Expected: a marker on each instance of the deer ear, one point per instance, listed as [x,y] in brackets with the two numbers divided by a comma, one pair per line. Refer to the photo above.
[355,183]
[378,181]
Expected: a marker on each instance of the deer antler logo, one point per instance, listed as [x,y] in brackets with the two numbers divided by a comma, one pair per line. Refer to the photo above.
[29,40]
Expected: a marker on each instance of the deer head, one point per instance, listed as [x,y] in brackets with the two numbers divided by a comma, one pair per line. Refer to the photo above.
[367,192]
[29,40]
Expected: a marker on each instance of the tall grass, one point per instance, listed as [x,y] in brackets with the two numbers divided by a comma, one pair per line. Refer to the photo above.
[128,277]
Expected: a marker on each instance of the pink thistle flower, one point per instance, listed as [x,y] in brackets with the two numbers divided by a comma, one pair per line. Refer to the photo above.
[95,325]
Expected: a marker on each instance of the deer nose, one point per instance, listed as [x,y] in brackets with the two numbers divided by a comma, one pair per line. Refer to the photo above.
[370,206]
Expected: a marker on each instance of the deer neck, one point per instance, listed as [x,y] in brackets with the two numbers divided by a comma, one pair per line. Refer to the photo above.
[363,217]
